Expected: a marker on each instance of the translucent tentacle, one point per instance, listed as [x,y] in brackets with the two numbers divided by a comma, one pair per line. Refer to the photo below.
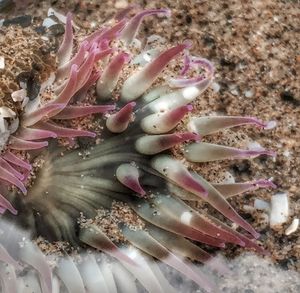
[154,144]
[119,121]
[4,203]
[132,27]
[110,76]
[108,277]
[35,134]
[124,279]
[144,272]
[31,255]
[64,70]
[207,152]
[92,276]
[159,123]
[71,112]
[189,216]
[10,169]
[221,204]
[129,175]
[8,278]
[145,242]
[232,189]
[94,237]
[23,145]
[70,276]
[179,97]
[211,124]
[186,82]
[43,113]
[12,158]
[178,174]
[9,177]
[153,214]
[65,50]
[7,258]
[63,131]
[139,82]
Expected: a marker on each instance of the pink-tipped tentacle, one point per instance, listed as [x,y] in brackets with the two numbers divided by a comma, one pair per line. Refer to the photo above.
[255,153]
[207,152]
[119,121]
[219,202]
[109,78]
[132,27]
[139,82]
[94,237]
[71,112]
[34,134]
[193,81]
[186,65]
[211,124]
[263,183]
[9,177]
[6,205]
[123,13]
[71,87]
[232,189]
[107,33]
[12,158]
[159,123]
[100,55]
[63,131]
[65,69]
[16,143]
[85,71]
[81,94]
[4,164]
[43,113]
[177,173]
[154,144]
[65,50]
[129,175]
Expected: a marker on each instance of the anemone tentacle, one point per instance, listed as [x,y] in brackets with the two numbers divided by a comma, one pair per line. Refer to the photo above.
[126,196]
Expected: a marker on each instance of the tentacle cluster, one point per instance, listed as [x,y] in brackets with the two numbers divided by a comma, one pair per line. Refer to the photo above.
[131,168]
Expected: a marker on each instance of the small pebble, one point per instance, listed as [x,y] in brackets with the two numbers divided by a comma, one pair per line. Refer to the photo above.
[23,21]
[234,92]
[216,87]
[293,227]
[261,205]
[121,4]
[2,62]
[248,94]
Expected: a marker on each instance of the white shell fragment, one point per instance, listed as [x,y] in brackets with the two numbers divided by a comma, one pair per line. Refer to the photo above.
[60,16]
[260,204]
[6,112]
[293,227]
[48,22]
[19,96]
[271,125]
[279,210]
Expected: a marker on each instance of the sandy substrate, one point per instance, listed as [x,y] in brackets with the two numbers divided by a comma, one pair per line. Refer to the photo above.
[254,46]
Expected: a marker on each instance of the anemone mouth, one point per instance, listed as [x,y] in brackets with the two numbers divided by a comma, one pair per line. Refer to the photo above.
[125,191]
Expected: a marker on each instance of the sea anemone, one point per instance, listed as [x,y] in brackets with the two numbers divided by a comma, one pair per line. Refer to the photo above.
[124,193]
